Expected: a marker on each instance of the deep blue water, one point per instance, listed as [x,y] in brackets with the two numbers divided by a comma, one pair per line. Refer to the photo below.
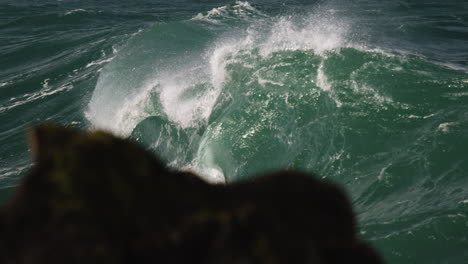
[371,94]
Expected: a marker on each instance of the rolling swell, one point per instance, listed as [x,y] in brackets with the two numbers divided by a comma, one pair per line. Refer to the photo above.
[233,92]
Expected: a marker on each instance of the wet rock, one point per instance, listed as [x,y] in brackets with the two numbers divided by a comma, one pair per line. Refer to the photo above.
[96,198]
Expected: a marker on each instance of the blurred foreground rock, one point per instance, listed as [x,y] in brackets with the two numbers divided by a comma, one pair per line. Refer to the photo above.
[95,198]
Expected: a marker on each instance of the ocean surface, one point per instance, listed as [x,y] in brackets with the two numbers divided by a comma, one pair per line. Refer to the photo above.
[372,94]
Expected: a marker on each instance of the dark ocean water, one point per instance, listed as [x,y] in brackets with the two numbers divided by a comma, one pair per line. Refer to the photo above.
[371,94]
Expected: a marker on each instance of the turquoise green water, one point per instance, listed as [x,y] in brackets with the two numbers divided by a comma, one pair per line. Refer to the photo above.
[370,94]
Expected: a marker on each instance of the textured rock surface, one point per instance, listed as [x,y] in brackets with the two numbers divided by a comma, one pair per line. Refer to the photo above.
[95,198]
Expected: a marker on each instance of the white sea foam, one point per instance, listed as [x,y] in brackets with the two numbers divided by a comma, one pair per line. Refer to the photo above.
[190,111]
[456,95]
[239,10]
[422,117]
[382,172]
[5,83]
[132,111]
[445,127]
[322,80]
[45,83]
[320,34]
[325,85]
[78,10]
[207,81]
[99,62]
[30,97]
[205,165]
[8,172]
[172,87]
[264,82]
[212,174]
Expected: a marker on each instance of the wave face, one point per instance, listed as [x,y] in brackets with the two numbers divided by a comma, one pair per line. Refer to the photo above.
[371,94]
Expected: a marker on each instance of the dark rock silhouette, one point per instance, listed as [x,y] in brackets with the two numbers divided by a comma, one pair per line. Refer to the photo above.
[96,198]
